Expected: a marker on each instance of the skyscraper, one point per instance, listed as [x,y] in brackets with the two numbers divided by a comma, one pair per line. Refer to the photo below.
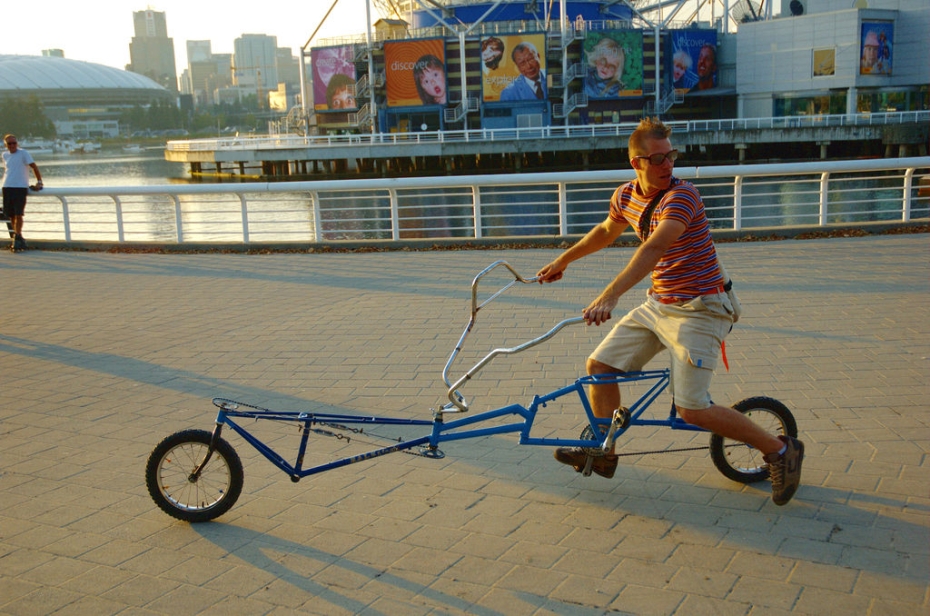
[151,52]
[201,72]
[288,67]
[255,63]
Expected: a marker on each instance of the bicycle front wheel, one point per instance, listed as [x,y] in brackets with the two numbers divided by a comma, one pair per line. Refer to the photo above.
[185,491]
[740,462]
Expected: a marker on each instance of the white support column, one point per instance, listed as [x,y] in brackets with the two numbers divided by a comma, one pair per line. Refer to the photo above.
[851,100]
[371,69]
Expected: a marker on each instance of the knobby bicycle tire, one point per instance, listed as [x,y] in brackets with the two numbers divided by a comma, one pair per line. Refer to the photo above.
[178,492]
[740,462]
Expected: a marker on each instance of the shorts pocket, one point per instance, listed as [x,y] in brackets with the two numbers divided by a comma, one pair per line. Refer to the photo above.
[702,360]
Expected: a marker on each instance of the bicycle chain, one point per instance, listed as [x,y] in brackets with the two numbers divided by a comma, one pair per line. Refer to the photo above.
[655,451]
[415,453]
[348,439]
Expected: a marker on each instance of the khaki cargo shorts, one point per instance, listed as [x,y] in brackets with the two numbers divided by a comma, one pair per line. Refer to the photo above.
[692,331]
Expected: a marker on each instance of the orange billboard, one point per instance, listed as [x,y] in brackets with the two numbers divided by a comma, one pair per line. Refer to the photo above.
[415,73]
[514,68]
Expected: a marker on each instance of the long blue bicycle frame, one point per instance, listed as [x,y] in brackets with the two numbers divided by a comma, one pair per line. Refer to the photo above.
[442,429]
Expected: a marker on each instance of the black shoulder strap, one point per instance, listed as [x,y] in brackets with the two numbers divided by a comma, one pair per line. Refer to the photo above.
[646,219]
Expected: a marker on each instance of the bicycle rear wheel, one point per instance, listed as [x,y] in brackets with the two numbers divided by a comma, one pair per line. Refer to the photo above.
[185,494]
[740,462]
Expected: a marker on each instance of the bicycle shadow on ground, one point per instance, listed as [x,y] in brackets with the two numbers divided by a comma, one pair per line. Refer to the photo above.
[152,374]
[442,273]
[270,554]
[824,525]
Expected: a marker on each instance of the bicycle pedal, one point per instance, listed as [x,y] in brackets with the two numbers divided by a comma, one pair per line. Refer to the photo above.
[588,466]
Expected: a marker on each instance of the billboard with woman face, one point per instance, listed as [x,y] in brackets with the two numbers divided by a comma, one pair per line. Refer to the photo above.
[333,78]
[416,73]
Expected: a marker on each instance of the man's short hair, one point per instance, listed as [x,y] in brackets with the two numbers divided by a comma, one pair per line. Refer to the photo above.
[649,128]
[524,46]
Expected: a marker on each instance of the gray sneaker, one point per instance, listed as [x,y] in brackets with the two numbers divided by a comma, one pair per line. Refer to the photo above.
[785,470]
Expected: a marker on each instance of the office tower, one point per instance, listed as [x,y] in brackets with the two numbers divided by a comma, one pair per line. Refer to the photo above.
[255,63]
[288,67]
[201,72]
[151,52]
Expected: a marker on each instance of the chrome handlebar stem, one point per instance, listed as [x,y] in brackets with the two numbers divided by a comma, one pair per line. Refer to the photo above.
[457,402]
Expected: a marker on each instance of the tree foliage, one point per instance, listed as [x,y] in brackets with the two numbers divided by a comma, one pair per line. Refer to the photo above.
[160,115]
[25,116]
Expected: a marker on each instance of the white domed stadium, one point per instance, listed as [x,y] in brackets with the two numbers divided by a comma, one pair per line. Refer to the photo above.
[58,81]
[83,99]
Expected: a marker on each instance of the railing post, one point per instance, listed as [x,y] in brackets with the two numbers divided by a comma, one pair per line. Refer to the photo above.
[120,234]
[908,186]
[178,224]
[738,203]
[476,209]
[395,216]
[824,197]
[563,209]
[66,217]
[315,206]
[245,218]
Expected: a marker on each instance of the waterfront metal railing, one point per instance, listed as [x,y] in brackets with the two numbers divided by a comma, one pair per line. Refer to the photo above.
[277,142]
[504,206]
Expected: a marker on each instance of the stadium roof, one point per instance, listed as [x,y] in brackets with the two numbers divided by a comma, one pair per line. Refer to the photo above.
[62,81]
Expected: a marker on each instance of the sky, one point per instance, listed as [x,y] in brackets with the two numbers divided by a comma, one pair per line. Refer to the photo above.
[100,31]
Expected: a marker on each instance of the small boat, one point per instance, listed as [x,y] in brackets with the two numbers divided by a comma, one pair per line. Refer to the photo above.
[132,148]
[64,145]
[38,147]
[85,147]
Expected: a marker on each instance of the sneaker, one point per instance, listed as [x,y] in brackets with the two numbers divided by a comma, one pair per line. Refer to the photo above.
[605,466]
[785,470]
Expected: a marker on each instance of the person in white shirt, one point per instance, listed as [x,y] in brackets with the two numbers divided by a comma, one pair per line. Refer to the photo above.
[17,163]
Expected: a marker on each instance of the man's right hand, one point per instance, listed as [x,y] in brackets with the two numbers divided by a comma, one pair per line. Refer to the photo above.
[551,272]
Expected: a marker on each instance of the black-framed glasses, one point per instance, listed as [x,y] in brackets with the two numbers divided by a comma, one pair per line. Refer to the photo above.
[658,159]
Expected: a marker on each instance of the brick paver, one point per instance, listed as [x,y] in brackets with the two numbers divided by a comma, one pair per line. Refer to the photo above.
[102,355]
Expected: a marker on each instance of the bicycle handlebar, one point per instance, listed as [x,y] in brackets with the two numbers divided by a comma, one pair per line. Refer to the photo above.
[456,399]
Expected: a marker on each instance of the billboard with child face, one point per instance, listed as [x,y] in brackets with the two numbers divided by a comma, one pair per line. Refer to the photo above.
[333,78]
[415,73]
[694,59]
[613,64]
[875,51]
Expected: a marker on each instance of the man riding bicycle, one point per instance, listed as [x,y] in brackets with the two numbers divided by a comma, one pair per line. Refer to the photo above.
[686,311]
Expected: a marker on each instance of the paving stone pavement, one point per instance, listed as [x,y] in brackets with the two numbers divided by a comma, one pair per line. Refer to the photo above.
[102,355]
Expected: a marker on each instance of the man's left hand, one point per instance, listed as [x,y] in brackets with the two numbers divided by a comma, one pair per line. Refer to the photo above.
[599,311]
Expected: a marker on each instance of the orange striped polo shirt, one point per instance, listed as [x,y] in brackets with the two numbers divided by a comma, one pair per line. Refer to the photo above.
[689,267]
